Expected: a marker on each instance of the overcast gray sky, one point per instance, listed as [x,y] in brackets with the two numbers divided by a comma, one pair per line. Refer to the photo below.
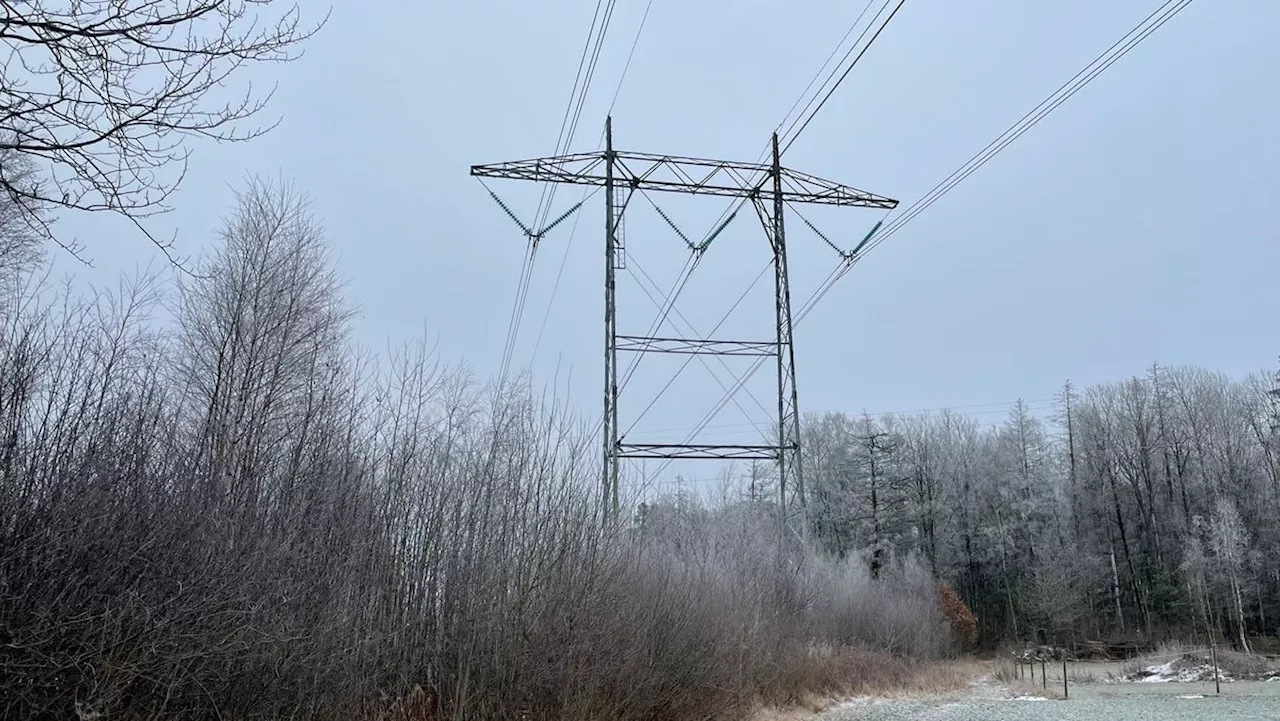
[1135,224]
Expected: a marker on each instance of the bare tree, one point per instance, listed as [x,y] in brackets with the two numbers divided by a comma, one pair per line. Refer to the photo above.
[263,337]
[103,94]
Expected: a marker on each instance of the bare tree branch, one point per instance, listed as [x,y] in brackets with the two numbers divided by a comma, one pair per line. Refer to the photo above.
[102,96]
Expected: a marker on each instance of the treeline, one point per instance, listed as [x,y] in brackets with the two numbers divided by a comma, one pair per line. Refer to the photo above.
[1136,511]
[214,504]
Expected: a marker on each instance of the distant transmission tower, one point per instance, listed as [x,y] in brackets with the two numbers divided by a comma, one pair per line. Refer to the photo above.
[769,187]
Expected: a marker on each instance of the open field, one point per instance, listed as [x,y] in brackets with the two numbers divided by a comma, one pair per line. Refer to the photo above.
[991,701]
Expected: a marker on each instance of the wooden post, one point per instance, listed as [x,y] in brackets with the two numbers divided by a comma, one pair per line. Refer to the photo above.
[1217,687]
[1064,677]
[1044,675]
[1032,665]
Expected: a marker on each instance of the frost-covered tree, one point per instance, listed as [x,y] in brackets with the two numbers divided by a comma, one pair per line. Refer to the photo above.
[1144,506]
[1230,542]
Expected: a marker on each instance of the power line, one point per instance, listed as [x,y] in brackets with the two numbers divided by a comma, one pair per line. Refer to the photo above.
[847,70]
[852,26]
[1106,59]
[686,272]
[620,171]
[568,128]
[577,100]
[669,301]
[573,231]
[669,304]
[1126,43]
[517,310]
[1038,404]
[734,208]
[737,206]
[627,66]
[670,381]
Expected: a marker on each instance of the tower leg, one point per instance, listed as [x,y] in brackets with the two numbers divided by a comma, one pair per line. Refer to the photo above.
[609,495]
[790,471]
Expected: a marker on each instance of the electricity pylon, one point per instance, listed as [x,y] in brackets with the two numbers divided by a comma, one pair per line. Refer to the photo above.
[769,186]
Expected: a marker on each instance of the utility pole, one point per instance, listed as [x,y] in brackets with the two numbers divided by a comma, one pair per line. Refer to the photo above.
[769,187]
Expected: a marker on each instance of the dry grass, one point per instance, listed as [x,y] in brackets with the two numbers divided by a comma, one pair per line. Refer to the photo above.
[831,676]
[794,713]
[1026,688]
[1077,676]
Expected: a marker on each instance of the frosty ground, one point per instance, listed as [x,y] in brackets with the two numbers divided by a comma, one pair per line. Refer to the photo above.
[987,700]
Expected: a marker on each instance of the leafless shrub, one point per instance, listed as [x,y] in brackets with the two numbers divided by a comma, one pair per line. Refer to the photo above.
[899,612]
[1006,671]
[245,518]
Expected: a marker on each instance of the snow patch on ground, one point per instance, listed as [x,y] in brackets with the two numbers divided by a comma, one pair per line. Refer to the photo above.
[1191,695]
[1030,698]
[1184,669]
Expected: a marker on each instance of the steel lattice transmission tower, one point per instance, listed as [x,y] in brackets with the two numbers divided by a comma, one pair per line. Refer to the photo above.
[769,186]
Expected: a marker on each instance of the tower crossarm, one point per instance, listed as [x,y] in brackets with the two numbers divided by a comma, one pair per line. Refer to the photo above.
[675,174]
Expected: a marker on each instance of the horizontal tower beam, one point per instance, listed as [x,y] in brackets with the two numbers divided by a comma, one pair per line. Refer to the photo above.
[673,174]
[704,451]
[697,346]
